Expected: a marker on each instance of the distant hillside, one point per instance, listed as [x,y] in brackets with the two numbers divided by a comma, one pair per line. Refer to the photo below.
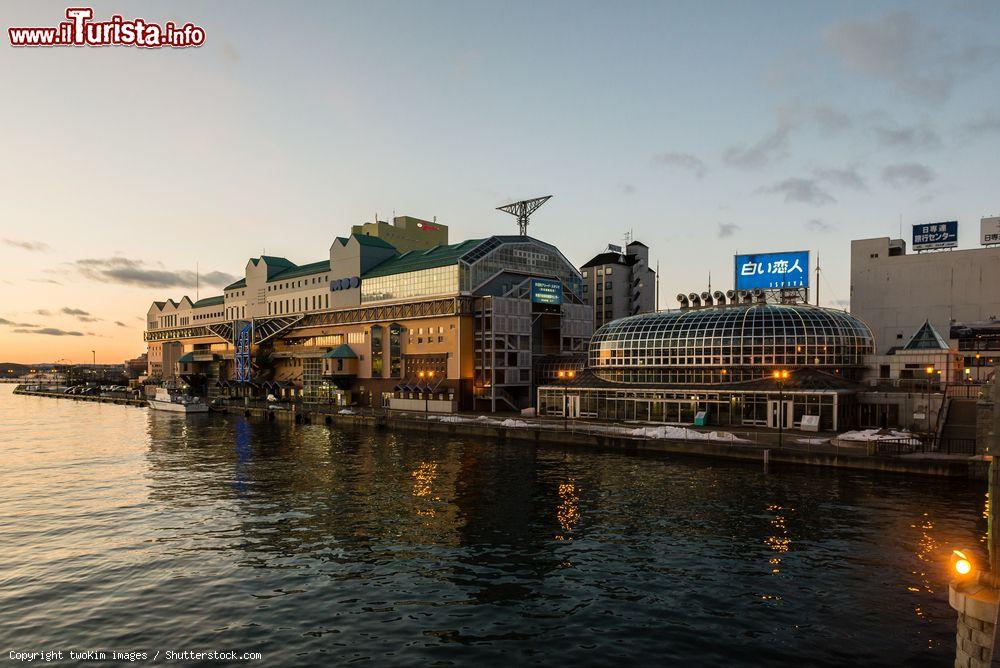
[13,370]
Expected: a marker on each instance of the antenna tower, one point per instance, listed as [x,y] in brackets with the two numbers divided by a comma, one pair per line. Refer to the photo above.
[523,211]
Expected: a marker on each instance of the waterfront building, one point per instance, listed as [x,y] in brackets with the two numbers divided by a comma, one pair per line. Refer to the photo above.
[477,324]
[716,365]
[895,291]
[619,282]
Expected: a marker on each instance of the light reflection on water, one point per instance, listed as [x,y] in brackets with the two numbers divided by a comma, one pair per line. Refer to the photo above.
[124,528]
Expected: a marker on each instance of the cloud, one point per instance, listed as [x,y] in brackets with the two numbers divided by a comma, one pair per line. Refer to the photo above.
[120,323]
[74,311]
[48,331]
[849,177]
[797,189]
[769,148]
[627,189]
[913,58]
[45,280]
[986,124]
[136,272]
[728,229]
[911,138]
[685,161]
[33,246]
[819,225]
[830,120]
[43,311]
[11,323]
[908,174]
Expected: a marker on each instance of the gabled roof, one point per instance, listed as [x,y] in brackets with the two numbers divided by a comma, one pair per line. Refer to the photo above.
[343,351]
[926,338]
[439,256]
[209,301]
[301,270]
[367,240]
[242,283]
[610,258]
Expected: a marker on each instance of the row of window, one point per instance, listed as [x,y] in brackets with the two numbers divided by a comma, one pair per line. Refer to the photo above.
[601,271]
[600,286]
[305,282]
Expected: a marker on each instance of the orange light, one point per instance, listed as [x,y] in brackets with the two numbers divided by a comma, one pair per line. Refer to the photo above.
[421,374]
[561,374]
[430,374]
[570,374]
[929,370]
[968,371]
[961,563]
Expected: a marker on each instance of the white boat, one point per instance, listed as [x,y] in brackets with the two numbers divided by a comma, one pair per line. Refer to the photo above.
[177,403]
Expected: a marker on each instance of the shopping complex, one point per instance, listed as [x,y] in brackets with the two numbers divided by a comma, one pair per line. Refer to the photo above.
[396,317]
[413,324]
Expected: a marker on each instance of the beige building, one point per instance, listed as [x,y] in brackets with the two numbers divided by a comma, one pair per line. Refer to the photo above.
[406,233]
[894,292]
[619,282]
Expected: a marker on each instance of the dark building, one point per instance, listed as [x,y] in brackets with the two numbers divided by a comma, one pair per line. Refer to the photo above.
[619,283]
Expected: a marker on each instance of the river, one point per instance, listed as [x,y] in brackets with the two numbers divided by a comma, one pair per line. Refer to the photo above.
[125,529]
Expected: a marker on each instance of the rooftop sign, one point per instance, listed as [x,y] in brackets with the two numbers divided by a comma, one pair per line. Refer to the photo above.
[989,231]
[772,270]
[935,235]
[545,291]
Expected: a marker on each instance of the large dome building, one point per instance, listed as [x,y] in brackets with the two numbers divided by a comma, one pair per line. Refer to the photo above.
[721,360]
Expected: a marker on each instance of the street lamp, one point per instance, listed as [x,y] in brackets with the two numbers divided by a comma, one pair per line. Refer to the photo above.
[780,376]
[930,374]
[428,375]
[565,377]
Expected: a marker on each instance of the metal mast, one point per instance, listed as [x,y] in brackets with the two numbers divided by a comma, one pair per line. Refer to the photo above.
[523,210]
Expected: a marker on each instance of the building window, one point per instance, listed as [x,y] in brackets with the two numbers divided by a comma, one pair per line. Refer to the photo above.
[607,272]
[376,351]
[395,350]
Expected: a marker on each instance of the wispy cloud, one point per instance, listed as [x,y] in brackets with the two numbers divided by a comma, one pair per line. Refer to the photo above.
[33,246]
[848,177]
[43,311]
[685,161]
[126,271]
[51,281]
[11,323]
[914,137]
[74,311]
[728,230]
[985,124]
[120,323]
[627,189]
[907,174]
[913,58]
[771,147]
[797,189]
[819,225]
[48,331]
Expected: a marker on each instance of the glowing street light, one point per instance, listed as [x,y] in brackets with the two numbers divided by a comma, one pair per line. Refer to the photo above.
[781,375]
[961,564]
[565,376]
[428,375]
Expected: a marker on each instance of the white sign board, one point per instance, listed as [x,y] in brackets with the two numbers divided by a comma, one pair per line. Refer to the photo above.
[989,231]
[810,423]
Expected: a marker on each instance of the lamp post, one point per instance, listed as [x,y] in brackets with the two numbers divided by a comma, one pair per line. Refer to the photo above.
[930,374]
[781,376]
[428,375]
[565,377]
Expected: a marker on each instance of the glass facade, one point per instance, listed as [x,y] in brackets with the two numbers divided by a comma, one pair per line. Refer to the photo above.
[423,283]
[528,257]
[395,350]
[728,344]
[377,351]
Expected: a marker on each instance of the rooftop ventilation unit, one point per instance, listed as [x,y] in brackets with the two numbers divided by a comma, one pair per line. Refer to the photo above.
[695,299]
[720,298]
[682,298]
[706,299]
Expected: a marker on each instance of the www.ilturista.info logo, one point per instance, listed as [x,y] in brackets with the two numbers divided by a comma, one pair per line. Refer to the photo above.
[79,30]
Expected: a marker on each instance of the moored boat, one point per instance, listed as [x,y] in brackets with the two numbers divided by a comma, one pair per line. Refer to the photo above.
[176,403]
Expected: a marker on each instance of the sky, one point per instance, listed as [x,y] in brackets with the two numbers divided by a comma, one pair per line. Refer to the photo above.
[702,128]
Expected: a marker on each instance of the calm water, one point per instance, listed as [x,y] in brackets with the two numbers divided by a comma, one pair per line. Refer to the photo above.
[126,529]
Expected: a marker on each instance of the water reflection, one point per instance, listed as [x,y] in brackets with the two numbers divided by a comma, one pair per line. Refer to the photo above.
[342,546]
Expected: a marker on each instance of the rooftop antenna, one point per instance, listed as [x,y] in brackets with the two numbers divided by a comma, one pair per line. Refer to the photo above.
[628,237]
[197,283]
[656,297]
[523,211]
[710,282]
[817,279]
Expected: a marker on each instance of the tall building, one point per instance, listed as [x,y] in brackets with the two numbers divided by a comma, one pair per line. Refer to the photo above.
[619,282]
[473,325]
[406,233]
[894,292]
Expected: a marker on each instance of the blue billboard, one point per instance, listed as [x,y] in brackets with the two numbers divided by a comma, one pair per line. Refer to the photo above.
[935,235]
[544,291]
[772,270]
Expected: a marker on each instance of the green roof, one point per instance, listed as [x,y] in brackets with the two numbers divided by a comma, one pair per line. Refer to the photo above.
[439,256]
[926,338]
[367,240]
[242,283]
[303,270]
[343,351]
[209,301]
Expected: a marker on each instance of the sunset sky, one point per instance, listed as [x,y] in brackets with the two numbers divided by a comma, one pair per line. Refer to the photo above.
[704,128]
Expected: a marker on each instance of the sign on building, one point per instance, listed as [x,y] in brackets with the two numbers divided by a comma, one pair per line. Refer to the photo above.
[989,231]
[545,291]
[615,248]
[935,235]
[772,270]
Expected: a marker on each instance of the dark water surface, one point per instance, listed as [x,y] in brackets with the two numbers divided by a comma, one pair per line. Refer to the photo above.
[126,529]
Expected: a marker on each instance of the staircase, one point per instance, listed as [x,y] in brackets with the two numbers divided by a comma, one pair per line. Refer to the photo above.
[957,433]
